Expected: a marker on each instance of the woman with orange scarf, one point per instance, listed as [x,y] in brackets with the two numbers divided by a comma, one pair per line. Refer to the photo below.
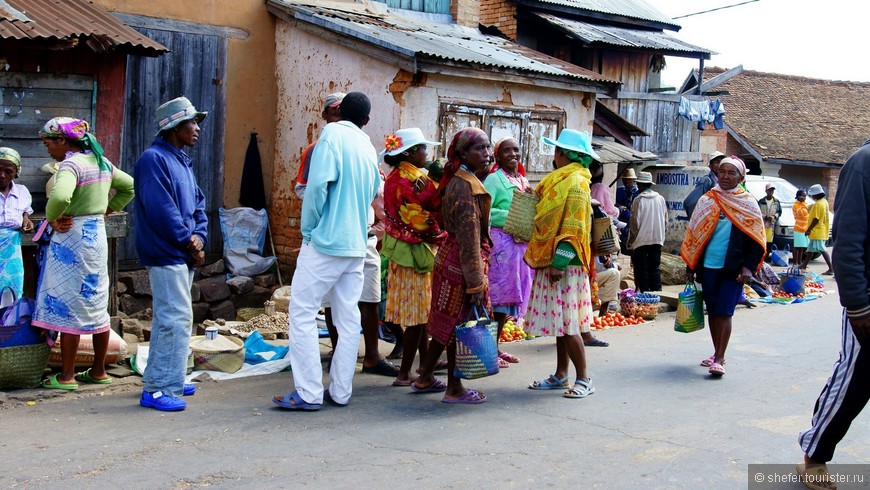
[459,276]
[561,254]
[724,246]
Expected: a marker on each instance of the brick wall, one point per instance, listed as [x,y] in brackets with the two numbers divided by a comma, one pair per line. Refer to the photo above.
[830,179]
[466,12]
[501,14]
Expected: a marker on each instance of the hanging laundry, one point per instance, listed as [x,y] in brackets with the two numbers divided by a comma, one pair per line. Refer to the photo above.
[717,110]
[703,112]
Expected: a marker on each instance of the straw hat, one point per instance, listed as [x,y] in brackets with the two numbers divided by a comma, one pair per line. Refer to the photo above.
[644,178]
[629,174]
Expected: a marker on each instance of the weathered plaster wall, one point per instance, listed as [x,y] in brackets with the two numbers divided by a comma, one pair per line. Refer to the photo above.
[250,83]
[309,67]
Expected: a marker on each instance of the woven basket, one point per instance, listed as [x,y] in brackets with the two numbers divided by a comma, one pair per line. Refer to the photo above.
[227,361]
[603,237]
[22,366]
[643,305]
[520,222]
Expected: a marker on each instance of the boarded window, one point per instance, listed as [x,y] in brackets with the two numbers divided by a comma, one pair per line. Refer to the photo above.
[526,125]
[428,6]
[28,101]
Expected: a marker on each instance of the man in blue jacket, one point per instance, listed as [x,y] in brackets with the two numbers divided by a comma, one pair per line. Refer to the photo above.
[342,183]
[171,231]
[847,390]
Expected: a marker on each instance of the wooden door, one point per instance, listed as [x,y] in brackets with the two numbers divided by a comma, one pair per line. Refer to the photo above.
[195,67]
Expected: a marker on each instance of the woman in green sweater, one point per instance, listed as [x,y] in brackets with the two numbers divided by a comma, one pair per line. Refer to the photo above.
[73,294]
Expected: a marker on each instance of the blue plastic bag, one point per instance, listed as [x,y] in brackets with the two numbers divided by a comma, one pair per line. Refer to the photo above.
[258,350]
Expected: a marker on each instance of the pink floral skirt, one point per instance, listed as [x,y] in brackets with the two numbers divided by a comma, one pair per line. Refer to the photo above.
[561,308]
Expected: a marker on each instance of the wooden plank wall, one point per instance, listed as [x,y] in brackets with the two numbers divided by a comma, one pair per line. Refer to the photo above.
[195,67]
[27,101]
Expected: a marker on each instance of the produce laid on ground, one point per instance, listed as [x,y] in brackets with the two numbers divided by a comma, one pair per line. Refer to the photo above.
[513,331]
[611,320]
[813,287]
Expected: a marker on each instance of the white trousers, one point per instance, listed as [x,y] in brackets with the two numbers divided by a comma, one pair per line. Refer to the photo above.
[316,274]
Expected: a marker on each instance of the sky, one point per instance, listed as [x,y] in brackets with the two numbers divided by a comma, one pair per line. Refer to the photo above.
[792,37]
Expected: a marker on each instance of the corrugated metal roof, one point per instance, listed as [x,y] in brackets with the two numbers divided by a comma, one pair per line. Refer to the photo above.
[73,21]
[613,152]
[630,38]
[635,9]
[422,40]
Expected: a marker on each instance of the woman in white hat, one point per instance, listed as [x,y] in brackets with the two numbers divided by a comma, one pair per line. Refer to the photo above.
[412,206]
[819,228]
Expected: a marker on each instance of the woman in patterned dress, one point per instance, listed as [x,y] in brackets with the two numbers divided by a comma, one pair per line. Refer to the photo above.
[459,278]
[73,296]
[412,206]
[561,254]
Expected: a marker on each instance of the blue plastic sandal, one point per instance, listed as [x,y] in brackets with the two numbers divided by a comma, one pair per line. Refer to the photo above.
[159,401]
[293,401]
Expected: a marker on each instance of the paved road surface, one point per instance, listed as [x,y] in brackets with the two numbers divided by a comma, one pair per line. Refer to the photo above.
[657,421]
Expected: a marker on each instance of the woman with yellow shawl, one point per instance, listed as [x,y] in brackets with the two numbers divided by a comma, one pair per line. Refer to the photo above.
[560,253]
[724,246]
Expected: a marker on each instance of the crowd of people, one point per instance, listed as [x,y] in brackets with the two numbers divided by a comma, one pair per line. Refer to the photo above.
[445,247]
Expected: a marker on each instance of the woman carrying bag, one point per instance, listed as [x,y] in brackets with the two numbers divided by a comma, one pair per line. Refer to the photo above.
[459,278]
[723,248]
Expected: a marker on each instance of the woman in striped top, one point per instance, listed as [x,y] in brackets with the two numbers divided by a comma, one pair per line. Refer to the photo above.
[73,295]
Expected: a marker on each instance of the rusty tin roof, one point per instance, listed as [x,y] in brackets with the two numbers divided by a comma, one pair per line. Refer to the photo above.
[72,22]
[425,41]
[648,40]
[796,119]
[630,9]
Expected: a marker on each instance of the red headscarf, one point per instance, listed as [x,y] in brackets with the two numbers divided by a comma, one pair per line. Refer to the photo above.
[463,139]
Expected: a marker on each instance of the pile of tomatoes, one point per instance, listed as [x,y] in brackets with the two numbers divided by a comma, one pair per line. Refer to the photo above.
[615,320]
[783,294]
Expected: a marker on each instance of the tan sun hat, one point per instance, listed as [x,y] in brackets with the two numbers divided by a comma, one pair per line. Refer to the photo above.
[629,174]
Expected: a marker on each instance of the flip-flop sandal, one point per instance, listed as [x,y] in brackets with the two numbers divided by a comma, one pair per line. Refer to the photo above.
[581,389]
[710,360]
[406,382]
[595,342]
[436,387]
[470,397]
[815,477]
[85,377]
[441,365]
[383,368]
[52,383]
[509,357]
[716,369]
[293,401]
[551,382]
[502,364]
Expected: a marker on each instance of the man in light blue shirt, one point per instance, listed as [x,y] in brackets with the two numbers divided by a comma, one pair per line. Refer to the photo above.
[342,183]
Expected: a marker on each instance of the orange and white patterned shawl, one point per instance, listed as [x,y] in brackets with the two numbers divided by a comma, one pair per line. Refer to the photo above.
[738,206]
